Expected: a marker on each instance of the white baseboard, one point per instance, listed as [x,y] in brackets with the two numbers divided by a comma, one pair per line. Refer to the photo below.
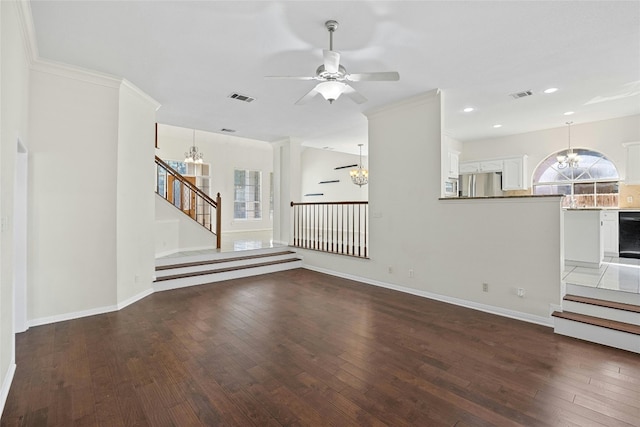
[583,264]
[6,385]
[526,317]
[71,316]
[135,298]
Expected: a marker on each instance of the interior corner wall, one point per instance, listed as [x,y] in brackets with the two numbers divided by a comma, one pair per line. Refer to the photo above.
[73,130]
[135,209]
[320,165]
[605,136]
[446,249]
[14,96]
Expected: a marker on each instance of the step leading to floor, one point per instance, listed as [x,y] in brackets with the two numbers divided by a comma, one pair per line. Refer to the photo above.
[184,268]
[604,309]
[198,270]
[604,294]
[612,333]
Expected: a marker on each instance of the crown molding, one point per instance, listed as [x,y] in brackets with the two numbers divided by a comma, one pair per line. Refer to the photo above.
[411,102]
[144,96]
[76,73]
[29,40]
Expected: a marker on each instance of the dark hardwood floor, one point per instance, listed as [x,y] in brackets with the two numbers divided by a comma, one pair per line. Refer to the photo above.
[302,348]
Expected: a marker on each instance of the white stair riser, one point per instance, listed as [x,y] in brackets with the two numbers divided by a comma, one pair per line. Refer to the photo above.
[597,334]
[216,266]
[228,275]
[605,294]
[211,256]
[602,312]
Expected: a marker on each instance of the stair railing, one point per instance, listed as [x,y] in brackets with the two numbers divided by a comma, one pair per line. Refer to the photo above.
[335,227]
[192,201]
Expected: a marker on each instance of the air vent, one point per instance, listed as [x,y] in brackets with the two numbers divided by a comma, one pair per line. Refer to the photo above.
[521,94]
[227,130]
[240,97]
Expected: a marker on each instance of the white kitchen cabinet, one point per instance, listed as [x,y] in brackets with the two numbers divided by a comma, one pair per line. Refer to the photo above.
[453,162]
[491,166]
[583,246]
[469,167]
[515,174]
[633,162]
[610,232]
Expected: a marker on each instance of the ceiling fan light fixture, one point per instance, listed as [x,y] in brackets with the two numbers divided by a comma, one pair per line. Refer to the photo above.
[330,90]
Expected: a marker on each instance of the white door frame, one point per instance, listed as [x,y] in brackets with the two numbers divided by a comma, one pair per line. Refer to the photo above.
[20,240]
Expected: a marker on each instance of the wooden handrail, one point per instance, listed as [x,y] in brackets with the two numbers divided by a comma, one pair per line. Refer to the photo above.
[328,203]
[192,187]
[192,209]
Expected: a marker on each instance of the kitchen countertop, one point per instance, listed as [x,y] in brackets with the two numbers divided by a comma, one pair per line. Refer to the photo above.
[503,197]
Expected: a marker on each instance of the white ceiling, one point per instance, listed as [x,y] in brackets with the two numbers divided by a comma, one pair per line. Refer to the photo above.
[190,56]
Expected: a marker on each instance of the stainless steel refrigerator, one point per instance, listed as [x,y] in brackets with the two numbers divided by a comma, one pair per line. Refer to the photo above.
[481,184]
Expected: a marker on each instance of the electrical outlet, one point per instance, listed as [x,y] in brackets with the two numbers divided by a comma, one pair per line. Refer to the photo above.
[485,287]
[390,270]
[521,292]
[629,199]
[411,273]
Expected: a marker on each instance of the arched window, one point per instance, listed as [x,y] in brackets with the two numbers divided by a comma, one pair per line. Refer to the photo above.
[593,182]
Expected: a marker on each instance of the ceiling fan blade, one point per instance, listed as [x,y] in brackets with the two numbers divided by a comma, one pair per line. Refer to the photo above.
[308,97]
[382,76]
[331,60]
[290,77]
[353,94]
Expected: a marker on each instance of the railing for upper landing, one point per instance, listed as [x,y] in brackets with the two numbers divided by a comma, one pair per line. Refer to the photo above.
[335,227]
[181,192]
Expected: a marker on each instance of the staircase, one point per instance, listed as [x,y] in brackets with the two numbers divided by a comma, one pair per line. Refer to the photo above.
[599,315]
[199,269]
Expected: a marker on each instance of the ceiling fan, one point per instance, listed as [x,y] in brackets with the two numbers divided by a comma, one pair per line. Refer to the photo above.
[332,76]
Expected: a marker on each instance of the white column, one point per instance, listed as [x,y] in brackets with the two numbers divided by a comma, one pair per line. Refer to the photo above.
[286,183]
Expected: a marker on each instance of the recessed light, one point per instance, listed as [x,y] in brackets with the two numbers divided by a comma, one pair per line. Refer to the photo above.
[551,90]
[468,109]
[568,113]
[497,126]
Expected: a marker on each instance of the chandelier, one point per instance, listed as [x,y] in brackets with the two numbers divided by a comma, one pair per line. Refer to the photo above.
[570,158]
[193,155]
[359,176]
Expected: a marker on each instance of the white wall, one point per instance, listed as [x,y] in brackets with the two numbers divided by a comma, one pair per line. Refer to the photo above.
[319,165]
[452,246]
[605,136]
[135,192]
[224,154]
[72,193]
[14,96]
[175,231]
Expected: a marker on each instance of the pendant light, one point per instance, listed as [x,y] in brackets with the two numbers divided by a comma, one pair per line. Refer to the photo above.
[359,176]
[193,155]
[570,158]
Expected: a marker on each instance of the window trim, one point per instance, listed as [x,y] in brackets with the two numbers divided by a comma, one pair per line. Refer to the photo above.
[260,201]
[576,180]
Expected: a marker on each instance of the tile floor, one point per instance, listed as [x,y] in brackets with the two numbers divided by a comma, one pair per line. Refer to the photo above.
[235,242]
[619,274]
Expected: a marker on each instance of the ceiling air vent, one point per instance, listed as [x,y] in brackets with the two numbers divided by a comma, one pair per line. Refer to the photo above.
[522,94]
[227,130]
[240,97]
